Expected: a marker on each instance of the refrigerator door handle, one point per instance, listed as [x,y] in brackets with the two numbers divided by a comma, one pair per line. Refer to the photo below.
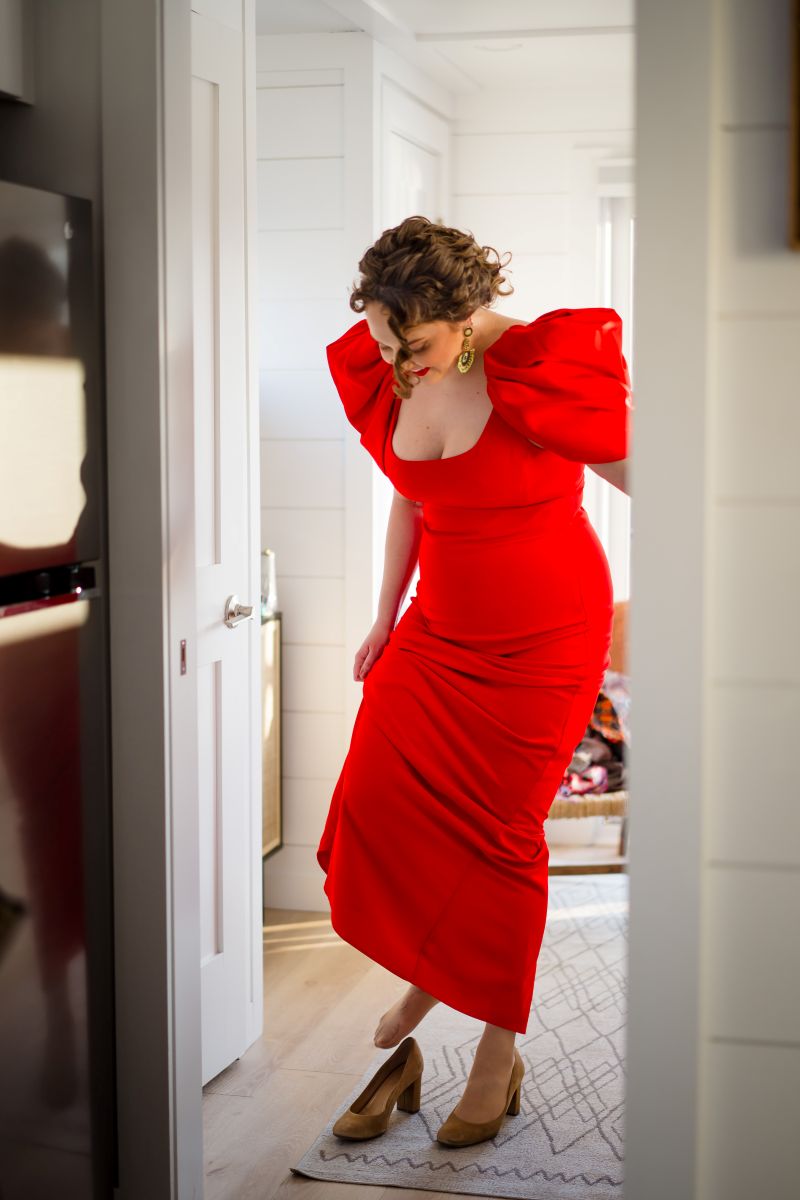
[46,588]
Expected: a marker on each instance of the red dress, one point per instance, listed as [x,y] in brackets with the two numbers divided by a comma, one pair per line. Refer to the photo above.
[433,847]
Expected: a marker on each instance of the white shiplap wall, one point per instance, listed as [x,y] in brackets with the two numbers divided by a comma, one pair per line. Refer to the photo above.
[713,1020]
[527,167]
[329,108]
[525,170]
[750,1066]
[314,220]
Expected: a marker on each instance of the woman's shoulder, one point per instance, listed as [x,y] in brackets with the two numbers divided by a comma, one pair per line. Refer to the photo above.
[567,330]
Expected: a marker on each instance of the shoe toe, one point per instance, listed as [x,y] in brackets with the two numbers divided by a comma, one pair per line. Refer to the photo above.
[455,1132]
[445,1131]
[356,1127]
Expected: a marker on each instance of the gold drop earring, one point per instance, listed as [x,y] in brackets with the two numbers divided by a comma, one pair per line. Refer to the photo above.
[467,355]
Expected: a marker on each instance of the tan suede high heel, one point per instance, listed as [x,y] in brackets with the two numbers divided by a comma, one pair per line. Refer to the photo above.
[457,1132]
[398,1080]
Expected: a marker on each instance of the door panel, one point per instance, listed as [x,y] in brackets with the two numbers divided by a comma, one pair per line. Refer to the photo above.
[228,720]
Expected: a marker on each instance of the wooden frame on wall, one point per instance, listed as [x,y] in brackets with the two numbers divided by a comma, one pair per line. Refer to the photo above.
[794,130]
[271,749]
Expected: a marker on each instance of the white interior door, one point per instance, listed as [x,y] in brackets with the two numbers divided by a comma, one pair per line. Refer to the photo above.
[227,540]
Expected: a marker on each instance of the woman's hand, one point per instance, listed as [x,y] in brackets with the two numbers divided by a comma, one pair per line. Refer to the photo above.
[371,649]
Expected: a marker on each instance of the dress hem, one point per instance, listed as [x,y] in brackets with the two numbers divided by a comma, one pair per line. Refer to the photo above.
[422,978]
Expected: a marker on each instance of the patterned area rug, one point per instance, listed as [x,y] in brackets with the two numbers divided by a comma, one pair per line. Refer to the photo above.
[567,1141]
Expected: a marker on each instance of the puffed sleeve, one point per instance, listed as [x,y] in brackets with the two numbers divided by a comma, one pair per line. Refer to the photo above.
[362,378]
[563,382]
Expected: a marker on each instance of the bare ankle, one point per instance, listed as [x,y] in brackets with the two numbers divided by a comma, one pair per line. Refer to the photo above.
[420,993]
[498,1043]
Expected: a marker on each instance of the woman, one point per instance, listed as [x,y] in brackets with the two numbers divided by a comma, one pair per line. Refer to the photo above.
[472,704]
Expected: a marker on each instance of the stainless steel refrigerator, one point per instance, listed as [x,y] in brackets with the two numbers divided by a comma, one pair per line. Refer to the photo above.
[57,1123]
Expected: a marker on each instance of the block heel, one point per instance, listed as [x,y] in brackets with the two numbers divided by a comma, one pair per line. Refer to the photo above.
[409,1100]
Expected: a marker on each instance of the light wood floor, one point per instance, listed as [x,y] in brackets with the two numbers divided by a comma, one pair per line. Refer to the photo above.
[322,1002]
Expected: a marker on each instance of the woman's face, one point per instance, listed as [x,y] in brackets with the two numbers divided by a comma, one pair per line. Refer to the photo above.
[435,345]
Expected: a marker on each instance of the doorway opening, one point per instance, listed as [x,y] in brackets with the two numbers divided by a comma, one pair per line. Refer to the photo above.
[525,138]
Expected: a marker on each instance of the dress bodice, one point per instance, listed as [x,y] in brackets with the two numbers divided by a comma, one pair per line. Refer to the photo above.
[561,380]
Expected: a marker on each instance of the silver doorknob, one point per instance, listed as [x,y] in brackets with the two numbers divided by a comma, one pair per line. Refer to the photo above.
[235,612]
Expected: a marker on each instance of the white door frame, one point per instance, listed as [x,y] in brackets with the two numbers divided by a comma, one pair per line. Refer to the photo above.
[668,643]
[146,143]
[146,137]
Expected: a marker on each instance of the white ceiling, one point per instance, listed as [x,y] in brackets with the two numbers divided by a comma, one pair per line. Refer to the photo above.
[299,16]
[469,45]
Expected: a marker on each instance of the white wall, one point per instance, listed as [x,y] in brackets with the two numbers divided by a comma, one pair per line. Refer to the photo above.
[413,121]
[525,165]
[314,151]
[521,170]
[750,1053]
[528,172]
[328,107]
[713,1033]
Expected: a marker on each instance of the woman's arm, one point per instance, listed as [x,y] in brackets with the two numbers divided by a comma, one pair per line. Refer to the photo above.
[403,534]
[614,472]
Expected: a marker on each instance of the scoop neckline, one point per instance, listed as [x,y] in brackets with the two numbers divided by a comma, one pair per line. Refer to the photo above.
[521,324]
[441,458]
[483,432]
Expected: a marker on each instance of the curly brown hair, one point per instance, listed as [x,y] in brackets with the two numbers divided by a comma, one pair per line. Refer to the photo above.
[420,271]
